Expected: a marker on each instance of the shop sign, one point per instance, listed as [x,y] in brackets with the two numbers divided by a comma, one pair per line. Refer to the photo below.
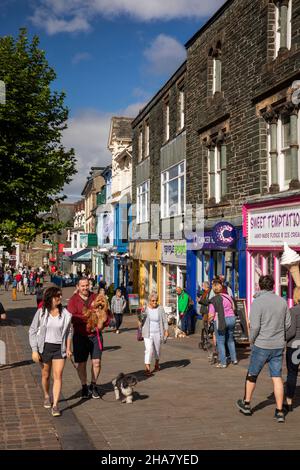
[224,234]
[274,226]
[174,252]
[210,242]
[134,300]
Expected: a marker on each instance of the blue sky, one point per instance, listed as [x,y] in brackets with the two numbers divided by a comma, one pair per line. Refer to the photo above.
[110,56]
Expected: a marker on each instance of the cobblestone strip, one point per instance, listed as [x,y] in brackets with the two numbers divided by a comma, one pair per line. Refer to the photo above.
[68,430]
[25,424]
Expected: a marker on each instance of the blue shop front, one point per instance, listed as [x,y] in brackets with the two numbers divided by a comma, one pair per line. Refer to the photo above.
[221,251]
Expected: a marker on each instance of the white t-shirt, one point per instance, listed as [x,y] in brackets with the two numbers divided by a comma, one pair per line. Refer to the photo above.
[154,320]
[54,330]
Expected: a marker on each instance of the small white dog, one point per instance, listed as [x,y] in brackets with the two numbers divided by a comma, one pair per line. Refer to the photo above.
[123,387]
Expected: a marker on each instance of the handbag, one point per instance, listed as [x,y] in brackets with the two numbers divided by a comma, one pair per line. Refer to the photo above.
[139,335]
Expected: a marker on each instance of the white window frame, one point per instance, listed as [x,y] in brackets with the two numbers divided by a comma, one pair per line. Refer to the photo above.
[140,144]
[143,216]
[167,120]
[282,182]
[289,25]
[165,209]
[217,172]
[147,139]
[181,108]
[215,59]
[277,27]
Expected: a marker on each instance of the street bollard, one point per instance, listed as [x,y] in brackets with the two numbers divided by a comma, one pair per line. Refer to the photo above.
[2,353]
[14,293]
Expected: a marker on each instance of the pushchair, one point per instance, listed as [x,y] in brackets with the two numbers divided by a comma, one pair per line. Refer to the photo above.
[206,341]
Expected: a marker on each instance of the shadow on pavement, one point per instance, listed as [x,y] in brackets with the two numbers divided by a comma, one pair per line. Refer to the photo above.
[111,348]
[108,387]
[271,401]
[16,364]
[23,315]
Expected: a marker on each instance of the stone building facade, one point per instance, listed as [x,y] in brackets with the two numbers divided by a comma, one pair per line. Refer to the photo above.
[242,139]
[242,126]
[158,145]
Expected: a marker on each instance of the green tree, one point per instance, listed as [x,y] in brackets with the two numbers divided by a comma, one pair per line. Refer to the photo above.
[34,165]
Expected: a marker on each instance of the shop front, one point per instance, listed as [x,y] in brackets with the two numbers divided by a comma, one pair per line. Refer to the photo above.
[146,267]
[174,271]
[268,226]
[222,251]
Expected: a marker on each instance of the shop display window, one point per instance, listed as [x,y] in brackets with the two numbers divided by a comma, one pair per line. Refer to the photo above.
[170,286]
[257,271]
[206,266]
[284,282]
[146,279]
[154,277]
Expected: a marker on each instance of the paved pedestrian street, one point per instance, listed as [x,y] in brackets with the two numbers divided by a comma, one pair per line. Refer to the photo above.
[187,405]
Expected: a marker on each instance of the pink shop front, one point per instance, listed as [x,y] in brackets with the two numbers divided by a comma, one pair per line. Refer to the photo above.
[267,226]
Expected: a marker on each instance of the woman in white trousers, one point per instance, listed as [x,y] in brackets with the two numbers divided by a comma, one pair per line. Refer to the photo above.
[155,332]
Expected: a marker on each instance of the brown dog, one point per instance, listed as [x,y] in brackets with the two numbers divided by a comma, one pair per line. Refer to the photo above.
[98,314]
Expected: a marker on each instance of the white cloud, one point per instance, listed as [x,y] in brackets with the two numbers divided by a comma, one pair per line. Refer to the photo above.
[88,133]
[81,57]
[164,55]
[56,16]
[133,109]
[54,23]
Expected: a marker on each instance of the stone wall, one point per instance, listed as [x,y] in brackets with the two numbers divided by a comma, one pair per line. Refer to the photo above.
[245,34]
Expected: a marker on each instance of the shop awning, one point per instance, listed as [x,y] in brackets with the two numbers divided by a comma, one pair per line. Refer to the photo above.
[82,256]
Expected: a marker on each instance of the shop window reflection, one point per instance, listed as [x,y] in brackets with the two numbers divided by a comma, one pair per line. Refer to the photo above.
[257,271]
[206,266]
[284,281]
[171,282]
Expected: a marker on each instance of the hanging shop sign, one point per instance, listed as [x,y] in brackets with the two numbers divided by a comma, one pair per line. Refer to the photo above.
[174,252]
[273,226]
[224,234]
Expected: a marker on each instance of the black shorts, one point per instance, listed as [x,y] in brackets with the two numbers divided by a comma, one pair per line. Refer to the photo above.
[51,352]
[83,346]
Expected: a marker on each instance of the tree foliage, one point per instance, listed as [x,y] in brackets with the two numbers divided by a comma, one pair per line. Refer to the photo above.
[34,165]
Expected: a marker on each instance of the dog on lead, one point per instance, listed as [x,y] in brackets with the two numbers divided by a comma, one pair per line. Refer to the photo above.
[172,322]
[123,387]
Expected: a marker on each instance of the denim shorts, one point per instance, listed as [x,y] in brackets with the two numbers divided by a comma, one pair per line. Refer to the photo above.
[260,357]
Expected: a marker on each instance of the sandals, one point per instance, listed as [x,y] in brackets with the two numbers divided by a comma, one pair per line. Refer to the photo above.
[148,373]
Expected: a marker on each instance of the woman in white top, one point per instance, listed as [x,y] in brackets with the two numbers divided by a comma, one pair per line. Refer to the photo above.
[154,331]
[50,336]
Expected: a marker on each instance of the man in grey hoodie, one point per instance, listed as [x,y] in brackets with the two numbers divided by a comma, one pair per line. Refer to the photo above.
[269,320]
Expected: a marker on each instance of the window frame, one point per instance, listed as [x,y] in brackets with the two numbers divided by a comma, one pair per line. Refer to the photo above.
[217,172]
[139,197]
[147,138]
[140,145]
[217,80]
[167,119]
[283,183]
[165,181]
[181,107]
[278,27]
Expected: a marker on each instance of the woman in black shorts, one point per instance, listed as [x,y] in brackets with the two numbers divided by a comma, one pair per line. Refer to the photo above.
[50,336]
